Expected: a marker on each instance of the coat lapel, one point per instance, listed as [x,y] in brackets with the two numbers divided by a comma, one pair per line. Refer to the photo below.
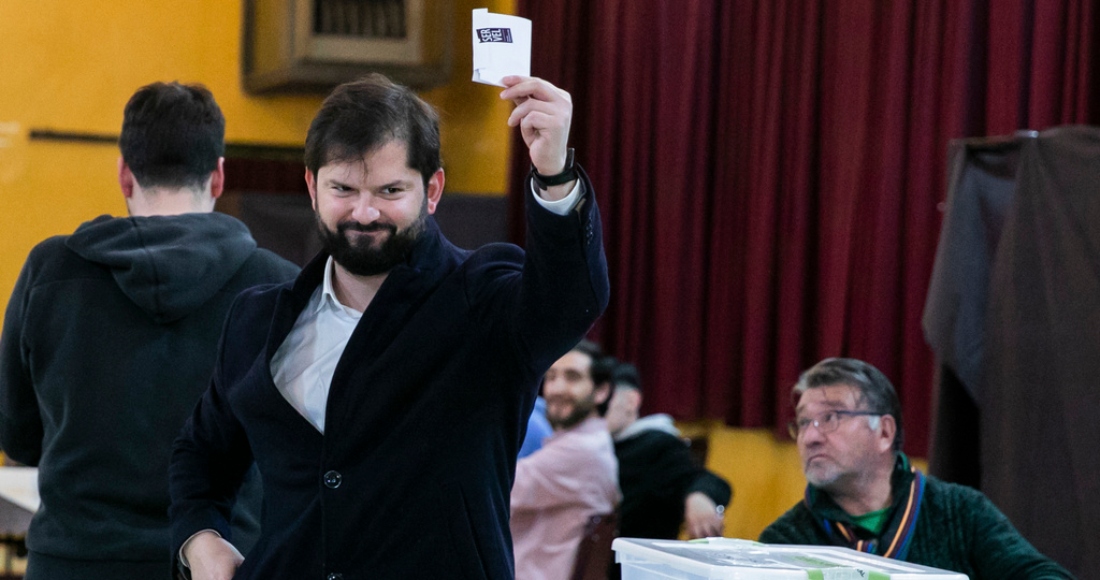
[398,300]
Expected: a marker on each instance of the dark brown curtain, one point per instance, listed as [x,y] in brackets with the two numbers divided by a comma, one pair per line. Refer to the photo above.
[1038,395]
[1013,314]
[981,187]
[771,173]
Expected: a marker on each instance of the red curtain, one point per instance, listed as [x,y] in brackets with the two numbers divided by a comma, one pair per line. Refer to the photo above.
[771,173]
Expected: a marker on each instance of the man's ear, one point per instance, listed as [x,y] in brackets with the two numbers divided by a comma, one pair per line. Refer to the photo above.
[311,185]
[887,432]
[602,393]
[217,179]
[637,400]
[125,179]
[435,189]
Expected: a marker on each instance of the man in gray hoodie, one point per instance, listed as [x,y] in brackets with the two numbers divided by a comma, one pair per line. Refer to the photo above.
[110,338]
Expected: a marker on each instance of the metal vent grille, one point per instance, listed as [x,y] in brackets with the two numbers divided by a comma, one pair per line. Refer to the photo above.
[361,18]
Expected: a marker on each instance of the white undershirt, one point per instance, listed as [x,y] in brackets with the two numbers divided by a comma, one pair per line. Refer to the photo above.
[305,362]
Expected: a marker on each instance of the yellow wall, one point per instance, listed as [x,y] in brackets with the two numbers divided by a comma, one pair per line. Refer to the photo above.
[71,65]
[764,471]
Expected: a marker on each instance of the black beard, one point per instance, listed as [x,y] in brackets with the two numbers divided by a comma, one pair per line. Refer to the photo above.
[364,260]
[581,410]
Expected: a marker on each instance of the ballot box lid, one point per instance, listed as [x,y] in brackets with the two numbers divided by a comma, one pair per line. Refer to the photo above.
[728,559]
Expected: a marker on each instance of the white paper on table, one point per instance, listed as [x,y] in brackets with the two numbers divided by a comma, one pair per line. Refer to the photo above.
[502,46]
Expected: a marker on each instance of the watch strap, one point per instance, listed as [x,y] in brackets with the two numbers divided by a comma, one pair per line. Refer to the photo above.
[567,174]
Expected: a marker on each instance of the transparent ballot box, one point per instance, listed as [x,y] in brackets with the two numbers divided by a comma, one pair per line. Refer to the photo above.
[726,559]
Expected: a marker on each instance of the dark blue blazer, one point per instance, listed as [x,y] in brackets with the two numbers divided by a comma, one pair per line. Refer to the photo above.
[426,412]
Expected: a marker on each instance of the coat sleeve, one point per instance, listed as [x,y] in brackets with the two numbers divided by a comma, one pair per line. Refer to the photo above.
[551,302]
[793,527]
[674,474]
[20,418]
[998,550]
[210,458]
[677,463]
[711,485]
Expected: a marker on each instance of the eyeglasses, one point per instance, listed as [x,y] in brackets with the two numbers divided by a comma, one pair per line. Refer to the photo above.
[827,422]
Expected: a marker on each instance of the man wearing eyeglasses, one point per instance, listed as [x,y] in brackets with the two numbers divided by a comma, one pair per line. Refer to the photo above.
[864,494]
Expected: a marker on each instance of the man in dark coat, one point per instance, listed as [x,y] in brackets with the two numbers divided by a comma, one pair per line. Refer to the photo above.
[864,494]
[662,486]
[384,394]
[109,341]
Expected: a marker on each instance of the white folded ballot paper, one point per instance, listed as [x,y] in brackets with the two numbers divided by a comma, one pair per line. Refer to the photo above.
[502,46]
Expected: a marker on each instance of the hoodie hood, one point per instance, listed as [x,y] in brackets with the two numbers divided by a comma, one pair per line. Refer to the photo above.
[657,422]
[168,265]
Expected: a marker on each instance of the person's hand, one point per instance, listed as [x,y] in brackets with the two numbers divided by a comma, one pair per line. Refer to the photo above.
[543,113]
[211,557]
[702,518]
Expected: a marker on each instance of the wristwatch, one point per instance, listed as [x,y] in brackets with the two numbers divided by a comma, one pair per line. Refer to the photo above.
[568,173]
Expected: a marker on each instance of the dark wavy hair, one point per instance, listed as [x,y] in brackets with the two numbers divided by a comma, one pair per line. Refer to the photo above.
[626,375]
[363,115]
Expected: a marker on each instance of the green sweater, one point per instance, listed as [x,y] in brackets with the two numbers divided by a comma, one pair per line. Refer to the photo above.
[958,529]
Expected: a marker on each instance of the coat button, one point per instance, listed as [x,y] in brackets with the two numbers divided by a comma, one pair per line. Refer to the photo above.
[332,481]
[334,575]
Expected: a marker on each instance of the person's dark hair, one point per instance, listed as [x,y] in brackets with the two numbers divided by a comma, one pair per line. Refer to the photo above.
[876,392]
[172,135]
[601,370]
[626,375]
[363,115]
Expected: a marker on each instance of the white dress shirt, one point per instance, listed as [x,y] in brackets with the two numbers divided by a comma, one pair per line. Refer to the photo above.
[304,364]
